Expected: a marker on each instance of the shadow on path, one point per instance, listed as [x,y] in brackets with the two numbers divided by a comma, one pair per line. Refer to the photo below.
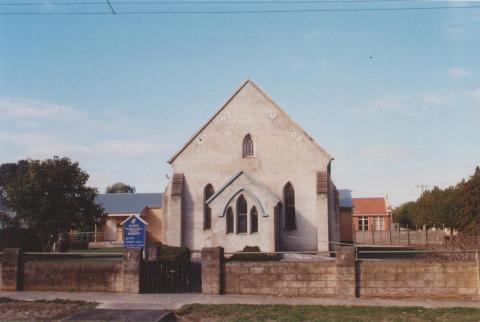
[123,315]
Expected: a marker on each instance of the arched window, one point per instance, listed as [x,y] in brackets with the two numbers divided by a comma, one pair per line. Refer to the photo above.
[241,215]
[253,220]
[208,191]
[248,146]
[289,202]
[229,220]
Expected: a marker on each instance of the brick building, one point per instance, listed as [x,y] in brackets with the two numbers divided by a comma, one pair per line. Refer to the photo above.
[120,206]
[371,214]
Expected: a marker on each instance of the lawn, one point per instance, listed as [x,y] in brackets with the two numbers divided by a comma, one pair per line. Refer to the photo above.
[200,312]
[99,250]
[14,310]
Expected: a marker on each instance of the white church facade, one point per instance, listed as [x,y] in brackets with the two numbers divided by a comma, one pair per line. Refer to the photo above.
[250,176]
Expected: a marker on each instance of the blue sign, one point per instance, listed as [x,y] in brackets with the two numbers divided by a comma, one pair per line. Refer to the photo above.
[133,233]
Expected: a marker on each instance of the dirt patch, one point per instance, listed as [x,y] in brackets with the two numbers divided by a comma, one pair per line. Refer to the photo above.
[13,310]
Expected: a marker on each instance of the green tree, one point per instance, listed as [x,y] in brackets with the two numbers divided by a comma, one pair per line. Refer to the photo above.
[404,214]
[468,203]
[50,197]
[456,207]
[437,207]
[120,187]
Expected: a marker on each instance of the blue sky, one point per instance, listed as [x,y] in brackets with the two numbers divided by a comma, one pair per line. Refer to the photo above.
[121,93]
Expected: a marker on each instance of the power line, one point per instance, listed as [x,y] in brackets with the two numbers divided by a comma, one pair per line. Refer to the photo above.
[111,8]
[76,3]
[252,11]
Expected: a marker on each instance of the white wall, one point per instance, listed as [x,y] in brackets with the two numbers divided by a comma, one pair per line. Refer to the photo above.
[283,152]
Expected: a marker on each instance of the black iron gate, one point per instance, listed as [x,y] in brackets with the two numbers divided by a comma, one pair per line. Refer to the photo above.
[171,276]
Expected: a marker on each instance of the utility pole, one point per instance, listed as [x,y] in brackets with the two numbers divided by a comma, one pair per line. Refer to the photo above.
[422,187]
[389,212]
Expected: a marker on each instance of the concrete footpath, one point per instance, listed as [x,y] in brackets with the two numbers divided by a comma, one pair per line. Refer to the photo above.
[175,301]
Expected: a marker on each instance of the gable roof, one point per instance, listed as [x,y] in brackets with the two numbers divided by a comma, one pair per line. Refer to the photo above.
[369,206]
[345,198]
[136,217]
[250,190]
[232,179]
[128,203]
[222,107]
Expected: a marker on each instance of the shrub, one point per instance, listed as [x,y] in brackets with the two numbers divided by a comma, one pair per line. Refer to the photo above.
[20,237]
[78,245]
[169,252]
[261,257]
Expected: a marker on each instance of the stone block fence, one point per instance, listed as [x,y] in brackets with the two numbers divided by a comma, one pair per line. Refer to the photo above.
[343,276]
[72,274]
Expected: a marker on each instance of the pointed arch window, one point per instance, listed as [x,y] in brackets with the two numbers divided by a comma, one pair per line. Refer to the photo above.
[229,228]
[241,215]
[248,146]
[208,191]
[289,206]
[253,220]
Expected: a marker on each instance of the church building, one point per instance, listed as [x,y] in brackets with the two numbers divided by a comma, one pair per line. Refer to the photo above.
[250,176]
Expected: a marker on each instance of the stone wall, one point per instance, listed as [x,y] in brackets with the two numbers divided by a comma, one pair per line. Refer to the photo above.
[213,270]
[418,278]
[287,278]
[34,272]
[343,277]
[73,276]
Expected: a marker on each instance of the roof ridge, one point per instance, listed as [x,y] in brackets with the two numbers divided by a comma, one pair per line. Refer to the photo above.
[210,119]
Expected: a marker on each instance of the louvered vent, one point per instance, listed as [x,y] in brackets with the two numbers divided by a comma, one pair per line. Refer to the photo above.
[322,182]
[177,184]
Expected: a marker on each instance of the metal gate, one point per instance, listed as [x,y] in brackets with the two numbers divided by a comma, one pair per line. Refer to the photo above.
[171,276]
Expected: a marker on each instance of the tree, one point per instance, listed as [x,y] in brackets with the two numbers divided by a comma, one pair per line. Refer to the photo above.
[50,197]
[404,214]
[7,171]
[120,187]
[456,207]
[437,207]
[469,203]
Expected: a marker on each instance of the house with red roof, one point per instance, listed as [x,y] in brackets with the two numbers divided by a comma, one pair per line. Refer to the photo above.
[371,214]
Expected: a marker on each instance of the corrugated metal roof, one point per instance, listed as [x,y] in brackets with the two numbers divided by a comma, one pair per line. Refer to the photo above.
[128,203]
[345,198]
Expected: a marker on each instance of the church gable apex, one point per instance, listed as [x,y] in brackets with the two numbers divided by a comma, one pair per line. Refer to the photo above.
[296,131]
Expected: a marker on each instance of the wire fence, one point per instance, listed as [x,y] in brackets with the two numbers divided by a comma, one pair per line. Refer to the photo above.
[73,256]
[401,237]
[378,254]
[87,237]
[362,252]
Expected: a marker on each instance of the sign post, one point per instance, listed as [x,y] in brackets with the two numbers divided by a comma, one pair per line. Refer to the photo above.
[134,229]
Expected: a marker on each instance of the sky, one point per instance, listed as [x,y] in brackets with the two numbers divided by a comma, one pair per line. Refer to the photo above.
[394,96]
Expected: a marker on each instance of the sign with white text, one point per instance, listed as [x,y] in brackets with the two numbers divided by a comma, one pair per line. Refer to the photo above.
[133,233]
